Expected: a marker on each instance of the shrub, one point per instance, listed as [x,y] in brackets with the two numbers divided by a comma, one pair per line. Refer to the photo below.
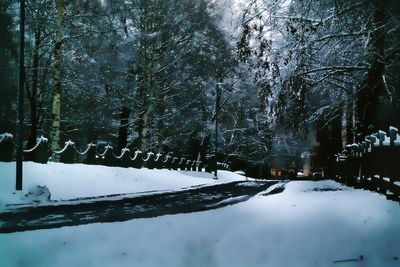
[6,147]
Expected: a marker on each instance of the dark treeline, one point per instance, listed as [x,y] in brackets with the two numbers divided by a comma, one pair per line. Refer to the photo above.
[143,73]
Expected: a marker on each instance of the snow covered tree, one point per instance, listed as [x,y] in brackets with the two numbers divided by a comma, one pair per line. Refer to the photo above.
[56,108]
[320,63]
[8,66]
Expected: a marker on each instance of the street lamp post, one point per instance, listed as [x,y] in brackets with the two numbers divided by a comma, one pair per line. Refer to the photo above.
[216,130]
[20,117]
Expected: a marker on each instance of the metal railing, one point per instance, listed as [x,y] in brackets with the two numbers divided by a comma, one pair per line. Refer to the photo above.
[372,164]
[104,155]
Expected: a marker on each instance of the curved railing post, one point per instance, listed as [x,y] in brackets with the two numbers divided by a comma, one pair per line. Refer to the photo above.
[175,163]
[181,164]
[158,162]
[193,166]
[149,160]
[67,154]
[106,158]
[188,165]
[123,160]
[137,160]
[91,156]
[167,162]
[41,154]
[199,165]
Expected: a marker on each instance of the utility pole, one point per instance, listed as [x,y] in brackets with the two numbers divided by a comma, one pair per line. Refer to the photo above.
[20,117]
[216,129]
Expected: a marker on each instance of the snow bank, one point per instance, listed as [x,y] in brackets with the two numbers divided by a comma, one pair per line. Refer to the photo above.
[5,137]
[67,181]
[309,224]
[38,194]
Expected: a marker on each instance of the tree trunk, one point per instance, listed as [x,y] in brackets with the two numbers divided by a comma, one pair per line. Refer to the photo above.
[345,130]
[123,128]
[33,96]
[161,130]
[368,108]
[145,129]
[348,121]
[56,109]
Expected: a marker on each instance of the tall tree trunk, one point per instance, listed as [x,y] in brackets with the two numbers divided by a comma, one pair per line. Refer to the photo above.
[345,112]
[145,118]
[372,88]
[33,96]
[56,109]
[149,94]
[348,121]
[161,131]
[123,128]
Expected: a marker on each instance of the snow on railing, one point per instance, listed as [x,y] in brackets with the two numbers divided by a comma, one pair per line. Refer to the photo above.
[149,155]
[158,156]
[89,146]
[136,156]
[6,136]
[91,155]
[394,136]
[180,163]
[66,145]
[106,149]
[372,164]
[123,152]
[167,157]
[40,140]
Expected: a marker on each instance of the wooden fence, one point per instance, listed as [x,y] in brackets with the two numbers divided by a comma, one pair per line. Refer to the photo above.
[373,164]
[105,155]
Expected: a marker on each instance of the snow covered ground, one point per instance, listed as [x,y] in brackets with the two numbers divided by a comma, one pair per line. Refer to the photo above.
[309,224]
[67,181]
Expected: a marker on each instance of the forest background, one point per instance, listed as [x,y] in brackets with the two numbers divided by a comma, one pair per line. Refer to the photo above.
[143,74]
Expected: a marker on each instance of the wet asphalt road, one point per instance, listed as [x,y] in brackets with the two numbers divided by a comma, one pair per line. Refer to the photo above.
[125,207]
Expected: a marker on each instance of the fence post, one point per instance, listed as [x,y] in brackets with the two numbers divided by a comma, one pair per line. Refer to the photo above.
[188,164]
[67,154]
[194,165]
[381,137]
[40,152]
[123,160]
[377,159]
[181,164]
[158,162]
[167,162]
[393,134]
[373,142]
[137,160]
[107,158]
[174,163]
[199,166]
[91,158]
[149,161]
[367,145]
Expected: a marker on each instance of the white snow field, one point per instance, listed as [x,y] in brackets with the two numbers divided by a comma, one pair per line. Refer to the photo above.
[68,181]
[308,224]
